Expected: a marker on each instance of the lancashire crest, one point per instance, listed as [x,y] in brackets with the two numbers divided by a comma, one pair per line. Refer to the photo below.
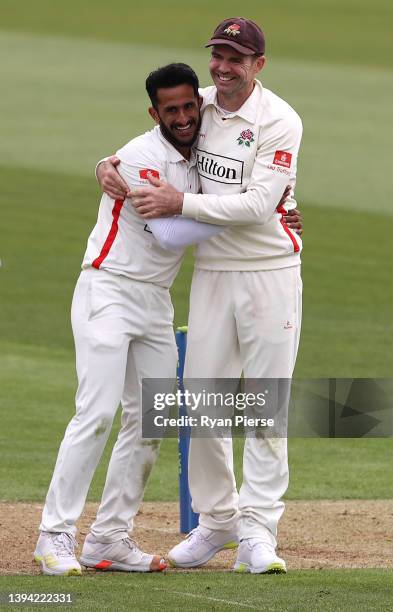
[246,138]
[232,30]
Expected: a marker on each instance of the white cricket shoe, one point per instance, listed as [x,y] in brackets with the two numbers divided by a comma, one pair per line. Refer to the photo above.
[201,545]
[123,555]
[258,557]
[55,552]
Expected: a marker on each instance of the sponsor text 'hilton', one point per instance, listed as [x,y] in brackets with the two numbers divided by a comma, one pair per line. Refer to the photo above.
[209,166]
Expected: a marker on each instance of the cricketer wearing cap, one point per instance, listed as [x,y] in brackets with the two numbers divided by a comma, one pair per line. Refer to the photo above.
[245,304]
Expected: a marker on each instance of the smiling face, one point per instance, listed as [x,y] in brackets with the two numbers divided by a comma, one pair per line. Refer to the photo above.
[178,114]
[233,73]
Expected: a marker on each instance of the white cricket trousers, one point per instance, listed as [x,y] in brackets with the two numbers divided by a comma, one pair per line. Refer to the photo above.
[123,331]
[250,322]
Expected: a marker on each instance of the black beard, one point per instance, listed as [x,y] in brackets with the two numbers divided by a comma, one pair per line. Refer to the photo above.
[173,140]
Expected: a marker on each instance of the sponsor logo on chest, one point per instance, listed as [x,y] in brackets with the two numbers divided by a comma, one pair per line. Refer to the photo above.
[219,168]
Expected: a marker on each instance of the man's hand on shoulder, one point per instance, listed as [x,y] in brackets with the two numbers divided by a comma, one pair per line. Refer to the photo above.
[110,180]
[159,200]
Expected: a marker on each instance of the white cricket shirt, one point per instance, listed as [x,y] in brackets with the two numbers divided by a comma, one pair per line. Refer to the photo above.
[245,160]
[121,241]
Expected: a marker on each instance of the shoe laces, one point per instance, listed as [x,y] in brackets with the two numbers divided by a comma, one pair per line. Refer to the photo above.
[132,545]
[255,543]
[65,545]
[195,536]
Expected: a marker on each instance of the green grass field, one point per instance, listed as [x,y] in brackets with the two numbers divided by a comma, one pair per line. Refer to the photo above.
[73,91]
[328,591]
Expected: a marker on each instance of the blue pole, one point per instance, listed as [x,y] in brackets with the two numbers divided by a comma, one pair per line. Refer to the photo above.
[188,518]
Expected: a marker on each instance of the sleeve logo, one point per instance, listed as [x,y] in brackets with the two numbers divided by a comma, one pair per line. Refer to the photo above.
[282,158]
[143,173]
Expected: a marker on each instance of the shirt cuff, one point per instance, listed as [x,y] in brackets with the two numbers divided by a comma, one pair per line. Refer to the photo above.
[190,206]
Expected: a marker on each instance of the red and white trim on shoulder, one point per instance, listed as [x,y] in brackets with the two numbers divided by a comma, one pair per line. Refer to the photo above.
[282,211]
[118,205]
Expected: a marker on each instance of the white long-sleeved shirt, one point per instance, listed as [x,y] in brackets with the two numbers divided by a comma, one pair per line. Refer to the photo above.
[121,241]
[179,232]
[245,160]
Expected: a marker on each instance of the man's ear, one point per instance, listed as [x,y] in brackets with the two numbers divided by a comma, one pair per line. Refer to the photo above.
[260,62]
[153,113]
[200,101]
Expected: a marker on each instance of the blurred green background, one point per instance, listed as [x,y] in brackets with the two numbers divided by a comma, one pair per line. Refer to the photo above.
[72,80]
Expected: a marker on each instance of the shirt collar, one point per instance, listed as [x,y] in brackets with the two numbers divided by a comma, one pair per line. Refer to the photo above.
[249,111]
[173,154]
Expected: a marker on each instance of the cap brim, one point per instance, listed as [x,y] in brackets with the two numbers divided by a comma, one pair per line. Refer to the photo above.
[230,43]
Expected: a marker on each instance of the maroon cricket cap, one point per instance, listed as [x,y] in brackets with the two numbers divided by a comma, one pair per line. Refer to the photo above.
[242,34]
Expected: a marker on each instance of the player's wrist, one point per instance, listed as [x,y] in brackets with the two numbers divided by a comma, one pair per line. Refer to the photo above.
[179,202]
[98,168]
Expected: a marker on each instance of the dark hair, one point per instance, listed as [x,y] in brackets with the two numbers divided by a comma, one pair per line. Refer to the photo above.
[171,75]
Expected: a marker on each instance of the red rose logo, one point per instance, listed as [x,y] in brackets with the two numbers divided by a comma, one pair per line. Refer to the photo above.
[232,30]
[245,138]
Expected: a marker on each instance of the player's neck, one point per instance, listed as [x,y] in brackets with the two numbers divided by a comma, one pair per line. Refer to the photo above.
[233,102]
[185,151]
